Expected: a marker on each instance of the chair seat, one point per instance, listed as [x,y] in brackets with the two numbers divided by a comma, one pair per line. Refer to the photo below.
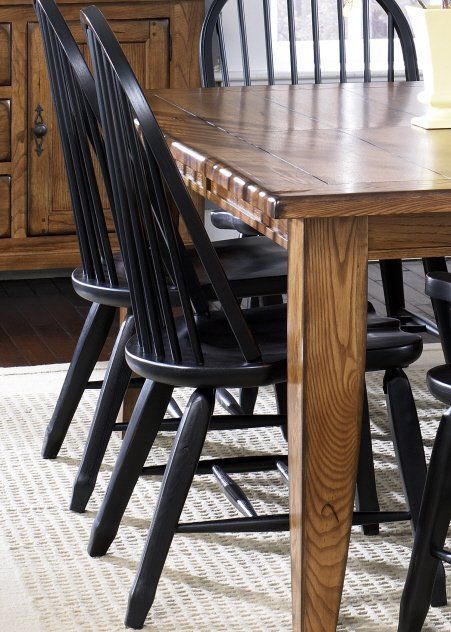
[228,221]
[439,383]
[374,321]
[438,285]
[391,349]
[103,293]
[254,267]
[387,348]
[223,362]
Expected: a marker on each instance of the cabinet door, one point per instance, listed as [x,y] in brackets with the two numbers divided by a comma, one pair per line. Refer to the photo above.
[146,44]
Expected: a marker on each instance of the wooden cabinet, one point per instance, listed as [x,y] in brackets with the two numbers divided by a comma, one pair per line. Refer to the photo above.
[160,38]
[146,43]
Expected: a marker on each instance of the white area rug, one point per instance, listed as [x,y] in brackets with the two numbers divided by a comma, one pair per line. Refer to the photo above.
[211,583]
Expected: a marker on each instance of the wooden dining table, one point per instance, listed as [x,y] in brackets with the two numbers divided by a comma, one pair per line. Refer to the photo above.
[338,175]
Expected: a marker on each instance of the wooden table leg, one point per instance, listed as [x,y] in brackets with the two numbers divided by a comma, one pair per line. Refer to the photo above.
[327,295]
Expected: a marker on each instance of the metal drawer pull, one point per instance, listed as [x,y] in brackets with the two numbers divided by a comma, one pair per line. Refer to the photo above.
[39,130]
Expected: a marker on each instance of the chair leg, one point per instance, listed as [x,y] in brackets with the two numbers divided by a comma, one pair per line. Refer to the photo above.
[110,399]
[228,402]
[432,527]
[176,483]
[409,450]
[441,308]
[139,437]
[248,397]
[174,409]
[86,354]
[366,499]
[392,282]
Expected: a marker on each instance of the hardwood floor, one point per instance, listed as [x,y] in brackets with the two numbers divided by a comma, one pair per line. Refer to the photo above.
[416,299]
[41,319]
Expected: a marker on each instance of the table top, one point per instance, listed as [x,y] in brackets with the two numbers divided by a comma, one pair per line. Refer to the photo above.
[311,150]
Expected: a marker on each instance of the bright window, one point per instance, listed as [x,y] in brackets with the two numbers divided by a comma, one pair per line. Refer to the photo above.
[329,50]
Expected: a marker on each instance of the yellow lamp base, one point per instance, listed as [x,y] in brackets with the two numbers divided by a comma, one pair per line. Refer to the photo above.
[435,118]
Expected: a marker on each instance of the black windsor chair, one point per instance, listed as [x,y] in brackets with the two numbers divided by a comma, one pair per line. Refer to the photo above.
[435,514]
[215,46]
[227,348]
[101,279]
[239,259]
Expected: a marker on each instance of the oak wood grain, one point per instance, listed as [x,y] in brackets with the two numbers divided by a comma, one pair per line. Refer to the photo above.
[5,206]
[146,44]
[186,21]
[5,130]
[41,253]
[21,86]
[407,237]
[19,136]
[5,54]
[326,361]
[328,150]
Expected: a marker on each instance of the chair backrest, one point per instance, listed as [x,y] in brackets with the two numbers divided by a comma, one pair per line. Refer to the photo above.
[75,102]
[438,288]
[213,40]
[149,195]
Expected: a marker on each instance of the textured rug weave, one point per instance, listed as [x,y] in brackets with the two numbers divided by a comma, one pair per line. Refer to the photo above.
[211,583]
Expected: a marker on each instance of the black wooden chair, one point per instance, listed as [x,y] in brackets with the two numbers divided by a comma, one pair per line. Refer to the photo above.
[435,514]
[101,279]
[214,47]
[236,256]
[228,348]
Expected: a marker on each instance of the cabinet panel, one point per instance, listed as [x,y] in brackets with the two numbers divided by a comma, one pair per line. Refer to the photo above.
[5,206]
[5,130]
[146,44]
[5,54]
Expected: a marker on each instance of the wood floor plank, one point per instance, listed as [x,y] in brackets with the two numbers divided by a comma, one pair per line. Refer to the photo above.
[47,287]
[23,334]
[40,322]
[18,288]
[46,328]
[10,354]
[64,313]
